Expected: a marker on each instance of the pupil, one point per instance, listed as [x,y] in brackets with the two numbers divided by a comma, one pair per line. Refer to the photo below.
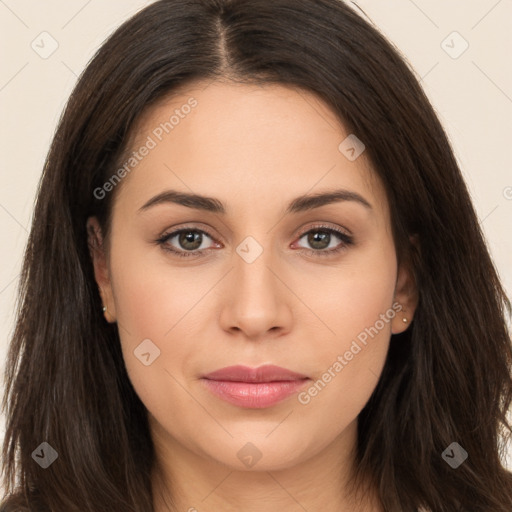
[188,238]
[319,236]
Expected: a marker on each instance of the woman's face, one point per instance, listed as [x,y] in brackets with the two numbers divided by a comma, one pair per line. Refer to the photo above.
[265,279]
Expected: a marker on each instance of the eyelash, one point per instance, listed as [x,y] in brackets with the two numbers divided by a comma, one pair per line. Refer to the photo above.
[346,241]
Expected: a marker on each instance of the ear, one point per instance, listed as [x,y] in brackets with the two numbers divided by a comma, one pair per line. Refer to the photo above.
[101,271]
[406,294]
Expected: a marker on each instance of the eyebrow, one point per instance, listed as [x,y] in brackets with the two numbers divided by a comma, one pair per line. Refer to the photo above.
[299,204]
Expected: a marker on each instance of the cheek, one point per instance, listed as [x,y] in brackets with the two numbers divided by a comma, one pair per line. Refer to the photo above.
[151,305]
[152,318]
[351,296]
[356,305]
[153,297]
[167,305]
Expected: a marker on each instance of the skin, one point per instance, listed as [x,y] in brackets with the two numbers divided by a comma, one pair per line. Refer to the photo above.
[255,149]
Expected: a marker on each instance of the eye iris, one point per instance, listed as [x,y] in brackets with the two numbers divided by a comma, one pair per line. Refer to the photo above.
[191,237]
[319,236]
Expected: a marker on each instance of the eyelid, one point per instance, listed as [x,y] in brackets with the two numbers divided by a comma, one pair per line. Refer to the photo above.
[325,225]
[343,234]
[195,226]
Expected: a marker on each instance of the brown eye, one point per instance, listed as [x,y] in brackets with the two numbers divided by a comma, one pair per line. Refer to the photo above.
[322,241]
[188,242]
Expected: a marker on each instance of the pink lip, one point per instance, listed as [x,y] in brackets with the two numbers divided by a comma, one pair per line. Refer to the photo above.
[254,388]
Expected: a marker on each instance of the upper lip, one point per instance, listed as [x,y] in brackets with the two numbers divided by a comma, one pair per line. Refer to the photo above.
[265,373]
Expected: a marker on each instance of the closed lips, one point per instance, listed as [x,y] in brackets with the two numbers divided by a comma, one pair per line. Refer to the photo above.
[266,373]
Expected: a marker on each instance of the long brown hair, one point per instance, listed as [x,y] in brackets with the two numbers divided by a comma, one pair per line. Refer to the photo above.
[447,378]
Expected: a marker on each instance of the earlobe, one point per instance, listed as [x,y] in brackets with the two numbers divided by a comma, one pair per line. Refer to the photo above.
[406,290]
[406,294]
[99,261]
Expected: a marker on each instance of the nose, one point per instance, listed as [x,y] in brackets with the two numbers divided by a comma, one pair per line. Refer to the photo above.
[256,300]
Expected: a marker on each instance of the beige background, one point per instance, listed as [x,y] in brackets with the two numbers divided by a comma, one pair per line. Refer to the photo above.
[471,92]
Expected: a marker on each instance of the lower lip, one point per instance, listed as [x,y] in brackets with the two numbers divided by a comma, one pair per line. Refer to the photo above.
[254,395]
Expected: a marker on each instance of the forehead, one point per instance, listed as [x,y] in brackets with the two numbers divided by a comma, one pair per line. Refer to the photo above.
[244,142]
